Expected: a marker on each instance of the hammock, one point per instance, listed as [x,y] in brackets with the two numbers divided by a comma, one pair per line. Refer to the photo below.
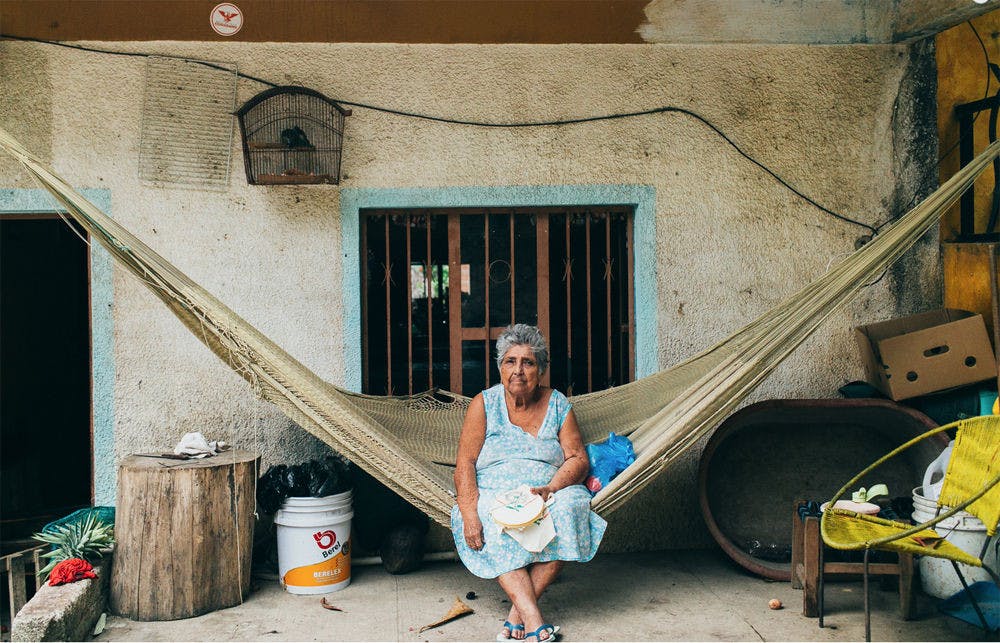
[408,443]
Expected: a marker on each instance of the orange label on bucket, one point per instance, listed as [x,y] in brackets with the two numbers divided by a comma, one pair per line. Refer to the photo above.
[335,569]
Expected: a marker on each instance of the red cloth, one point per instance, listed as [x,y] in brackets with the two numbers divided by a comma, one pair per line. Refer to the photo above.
[70,571]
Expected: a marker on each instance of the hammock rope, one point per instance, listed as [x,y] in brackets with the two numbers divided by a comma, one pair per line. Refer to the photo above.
[408,443]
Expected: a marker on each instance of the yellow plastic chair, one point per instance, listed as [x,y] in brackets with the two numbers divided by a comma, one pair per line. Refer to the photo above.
[971,483]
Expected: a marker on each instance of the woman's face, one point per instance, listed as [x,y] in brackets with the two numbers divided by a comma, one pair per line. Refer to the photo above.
[519,370]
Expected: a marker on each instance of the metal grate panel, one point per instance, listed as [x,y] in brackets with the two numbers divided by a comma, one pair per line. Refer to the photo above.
[187,122]
[439,286]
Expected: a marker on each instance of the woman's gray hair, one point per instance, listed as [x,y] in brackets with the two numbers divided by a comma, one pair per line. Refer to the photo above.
[524,335]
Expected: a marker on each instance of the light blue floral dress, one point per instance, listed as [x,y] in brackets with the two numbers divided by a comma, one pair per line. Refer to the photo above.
[511,457]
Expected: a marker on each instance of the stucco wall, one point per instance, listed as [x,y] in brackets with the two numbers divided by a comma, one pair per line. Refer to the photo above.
[837,122]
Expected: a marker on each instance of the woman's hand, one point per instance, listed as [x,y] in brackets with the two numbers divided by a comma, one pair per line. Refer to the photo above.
[544,491]
[473,531]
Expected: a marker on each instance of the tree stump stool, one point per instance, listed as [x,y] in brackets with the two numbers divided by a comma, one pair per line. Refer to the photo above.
[183,532]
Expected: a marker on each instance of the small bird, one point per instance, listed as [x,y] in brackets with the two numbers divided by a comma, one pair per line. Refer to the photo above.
[295,137]
[227,16]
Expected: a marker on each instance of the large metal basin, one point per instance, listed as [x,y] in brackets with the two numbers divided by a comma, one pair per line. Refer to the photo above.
[767,455]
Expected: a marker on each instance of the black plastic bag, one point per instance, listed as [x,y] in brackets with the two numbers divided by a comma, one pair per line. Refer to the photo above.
[315,478]
[272,489]
[297,479]
[331,475]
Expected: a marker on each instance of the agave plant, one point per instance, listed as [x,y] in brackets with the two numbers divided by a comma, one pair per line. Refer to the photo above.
[86,539]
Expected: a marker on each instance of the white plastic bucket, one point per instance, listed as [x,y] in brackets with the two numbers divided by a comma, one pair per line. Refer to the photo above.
[304,504]
[963,530]
[314,544]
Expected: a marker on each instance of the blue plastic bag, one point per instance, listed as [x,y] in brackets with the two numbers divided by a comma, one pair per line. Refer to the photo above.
[607,460]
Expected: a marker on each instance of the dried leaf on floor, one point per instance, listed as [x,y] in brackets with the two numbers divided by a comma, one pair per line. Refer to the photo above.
[328,606]
[101,622]
[458,609]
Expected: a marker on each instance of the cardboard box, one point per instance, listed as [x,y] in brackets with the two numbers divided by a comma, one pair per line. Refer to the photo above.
[927,352]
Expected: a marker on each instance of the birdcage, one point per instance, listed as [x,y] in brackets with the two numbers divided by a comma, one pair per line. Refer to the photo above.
[292,135]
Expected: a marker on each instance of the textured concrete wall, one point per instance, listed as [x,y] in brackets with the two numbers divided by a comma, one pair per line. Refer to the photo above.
[836,122]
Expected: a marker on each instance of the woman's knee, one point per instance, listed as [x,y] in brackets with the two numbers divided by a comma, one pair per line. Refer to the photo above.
[550,565]
[513,575]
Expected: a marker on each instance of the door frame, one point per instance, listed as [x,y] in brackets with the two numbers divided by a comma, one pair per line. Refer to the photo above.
[29,202]
[640,197]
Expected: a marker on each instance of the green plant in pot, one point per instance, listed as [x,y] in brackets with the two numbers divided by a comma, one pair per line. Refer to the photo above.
[88,539]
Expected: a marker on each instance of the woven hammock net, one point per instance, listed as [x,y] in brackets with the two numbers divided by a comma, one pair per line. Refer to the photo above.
[409,443]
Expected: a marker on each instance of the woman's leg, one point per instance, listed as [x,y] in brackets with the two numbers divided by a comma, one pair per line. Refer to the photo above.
[518,586]
[541,575]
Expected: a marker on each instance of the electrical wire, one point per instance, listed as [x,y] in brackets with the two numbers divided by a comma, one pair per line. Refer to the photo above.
[523,124]
[951,149]
[986,55]
[133,54]
[526,124]
[507,125]
[986,94]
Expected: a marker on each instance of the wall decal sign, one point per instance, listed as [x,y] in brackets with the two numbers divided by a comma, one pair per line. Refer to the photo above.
[226,19]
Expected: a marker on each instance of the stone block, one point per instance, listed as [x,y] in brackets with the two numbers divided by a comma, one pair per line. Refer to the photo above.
[64,612]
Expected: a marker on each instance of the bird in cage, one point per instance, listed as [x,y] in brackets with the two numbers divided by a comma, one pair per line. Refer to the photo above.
[295,137]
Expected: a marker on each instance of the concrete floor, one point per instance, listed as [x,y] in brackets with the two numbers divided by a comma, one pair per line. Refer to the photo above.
[662,596]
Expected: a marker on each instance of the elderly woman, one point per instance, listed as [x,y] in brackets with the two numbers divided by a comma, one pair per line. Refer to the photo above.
[520,432]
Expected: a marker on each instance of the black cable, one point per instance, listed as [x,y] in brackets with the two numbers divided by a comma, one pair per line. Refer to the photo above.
[438,119]
[986,55]
[986,94]
[970,128]
[135,54]
[605,117]
[589,119]
[80,47]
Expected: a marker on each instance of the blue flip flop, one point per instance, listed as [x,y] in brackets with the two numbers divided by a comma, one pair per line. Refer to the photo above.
[552,631]
[511,628]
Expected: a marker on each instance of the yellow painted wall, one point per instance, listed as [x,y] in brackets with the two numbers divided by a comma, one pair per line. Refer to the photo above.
[962,78]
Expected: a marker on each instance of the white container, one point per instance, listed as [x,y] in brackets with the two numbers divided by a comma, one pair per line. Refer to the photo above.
[963,530]
[327,503]
[932,487]
[314,544]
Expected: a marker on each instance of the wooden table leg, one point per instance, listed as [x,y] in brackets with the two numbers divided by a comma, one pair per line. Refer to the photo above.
[810,564]
[797,546]
[906,602]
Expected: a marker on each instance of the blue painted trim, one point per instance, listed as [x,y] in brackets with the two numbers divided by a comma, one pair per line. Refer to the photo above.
[37,201]
[642,197]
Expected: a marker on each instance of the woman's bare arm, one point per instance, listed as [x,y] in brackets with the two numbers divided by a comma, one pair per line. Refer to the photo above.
[576,466]
[470,443]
